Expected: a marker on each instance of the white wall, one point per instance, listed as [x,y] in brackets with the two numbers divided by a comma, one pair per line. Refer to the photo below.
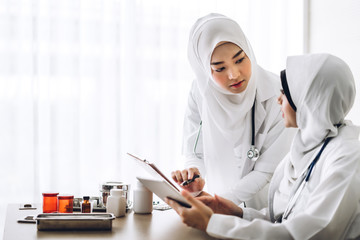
[334,27]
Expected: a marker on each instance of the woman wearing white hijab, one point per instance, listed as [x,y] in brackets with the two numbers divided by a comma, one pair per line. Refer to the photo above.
[314,193]
[218,123]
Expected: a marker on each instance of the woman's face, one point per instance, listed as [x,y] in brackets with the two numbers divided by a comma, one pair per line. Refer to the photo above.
[230,67]
[288,112]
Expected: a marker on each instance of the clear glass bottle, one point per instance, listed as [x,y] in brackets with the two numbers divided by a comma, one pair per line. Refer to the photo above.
[143,199]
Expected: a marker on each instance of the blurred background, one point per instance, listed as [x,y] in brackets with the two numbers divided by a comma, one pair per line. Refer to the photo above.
[83,82]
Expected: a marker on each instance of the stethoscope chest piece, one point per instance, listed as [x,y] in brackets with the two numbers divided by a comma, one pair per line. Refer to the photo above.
[253,153]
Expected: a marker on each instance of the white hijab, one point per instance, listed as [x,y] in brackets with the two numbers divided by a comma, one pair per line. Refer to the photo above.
[323,90]
[221,108]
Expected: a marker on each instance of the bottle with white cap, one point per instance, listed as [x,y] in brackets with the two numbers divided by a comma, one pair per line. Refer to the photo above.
[143,199]
[116,202]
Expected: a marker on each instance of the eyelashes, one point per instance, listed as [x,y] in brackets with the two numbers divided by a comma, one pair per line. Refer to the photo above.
[220,69]
[240,60]
[237,62]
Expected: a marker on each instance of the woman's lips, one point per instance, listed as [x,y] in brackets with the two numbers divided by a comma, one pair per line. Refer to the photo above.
[237,85]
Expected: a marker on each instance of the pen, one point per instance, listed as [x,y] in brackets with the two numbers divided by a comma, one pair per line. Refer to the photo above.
[187,182]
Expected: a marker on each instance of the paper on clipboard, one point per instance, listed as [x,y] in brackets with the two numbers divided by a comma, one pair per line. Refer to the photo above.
[152,169]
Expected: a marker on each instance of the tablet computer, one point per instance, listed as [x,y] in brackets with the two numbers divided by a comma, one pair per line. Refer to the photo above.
[163,189]
[152,169]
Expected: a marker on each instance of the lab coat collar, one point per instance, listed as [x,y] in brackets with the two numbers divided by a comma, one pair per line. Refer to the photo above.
[265,90]
[260,114]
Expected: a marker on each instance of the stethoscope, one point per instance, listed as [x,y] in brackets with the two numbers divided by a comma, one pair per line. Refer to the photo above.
[253,153]
[302,183]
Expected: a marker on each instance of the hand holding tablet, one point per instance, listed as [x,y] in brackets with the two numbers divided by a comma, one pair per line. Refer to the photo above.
[164,190]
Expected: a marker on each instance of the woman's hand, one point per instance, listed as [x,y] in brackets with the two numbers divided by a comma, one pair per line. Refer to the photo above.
[221,205]
[186,174]
[197,216]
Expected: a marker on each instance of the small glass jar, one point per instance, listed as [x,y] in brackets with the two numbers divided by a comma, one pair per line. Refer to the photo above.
[50,202]
[65,203]
[86,205]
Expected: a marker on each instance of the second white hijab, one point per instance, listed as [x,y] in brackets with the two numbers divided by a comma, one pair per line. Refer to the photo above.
[323,94]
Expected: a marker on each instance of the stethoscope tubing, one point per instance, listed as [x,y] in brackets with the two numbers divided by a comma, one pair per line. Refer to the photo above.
[253,149]
[304,181]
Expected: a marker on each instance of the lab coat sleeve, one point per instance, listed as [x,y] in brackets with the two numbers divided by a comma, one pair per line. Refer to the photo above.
[192,132]
[328,214]
[231,227]
[248,186]
[251,214]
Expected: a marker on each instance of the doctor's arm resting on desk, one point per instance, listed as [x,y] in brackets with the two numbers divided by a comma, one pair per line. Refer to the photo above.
[314,192]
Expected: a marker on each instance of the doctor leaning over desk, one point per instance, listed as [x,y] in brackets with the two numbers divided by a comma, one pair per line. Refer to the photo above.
[314,193]
[234,136]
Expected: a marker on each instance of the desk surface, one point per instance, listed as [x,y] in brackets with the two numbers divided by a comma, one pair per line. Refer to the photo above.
[158,225]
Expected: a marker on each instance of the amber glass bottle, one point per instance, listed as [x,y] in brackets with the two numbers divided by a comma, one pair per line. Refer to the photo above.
[85,205]
[49,202]
[65,203]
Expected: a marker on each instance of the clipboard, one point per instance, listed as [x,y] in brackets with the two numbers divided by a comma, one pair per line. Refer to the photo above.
[164,190]
[152,169]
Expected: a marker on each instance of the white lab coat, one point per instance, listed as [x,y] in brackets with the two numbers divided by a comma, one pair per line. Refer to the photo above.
[219,151]
[323,91]
[329,207]
[231,174]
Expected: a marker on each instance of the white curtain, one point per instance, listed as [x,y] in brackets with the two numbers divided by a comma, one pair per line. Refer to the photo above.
[82,82]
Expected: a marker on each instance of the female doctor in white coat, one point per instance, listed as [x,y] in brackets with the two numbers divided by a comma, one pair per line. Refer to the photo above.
[234,135]
[314,193]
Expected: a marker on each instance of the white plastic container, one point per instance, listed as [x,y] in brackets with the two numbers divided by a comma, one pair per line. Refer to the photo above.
[143,199]
[116,202]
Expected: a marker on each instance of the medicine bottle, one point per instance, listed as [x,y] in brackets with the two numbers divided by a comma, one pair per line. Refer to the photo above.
[116,202]
[86,205]
[49,202]
[143,199]
[65,203]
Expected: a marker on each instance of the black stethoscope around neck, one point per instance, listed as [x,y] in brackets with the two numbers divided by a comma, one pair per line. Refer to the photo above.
[253,153]
[301,184]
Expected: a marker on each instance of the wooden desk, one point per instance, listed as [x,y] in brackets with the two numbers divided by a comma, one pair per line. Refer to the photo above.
[158,225]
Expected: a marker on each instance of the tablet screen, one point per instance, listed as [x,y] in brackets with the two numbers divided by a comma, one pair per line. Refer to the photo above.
[163,189]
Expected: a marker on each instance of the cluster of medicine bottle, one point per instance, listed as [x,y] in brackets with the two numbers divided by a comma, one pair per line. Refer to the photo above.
[53,202]
[116,202]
